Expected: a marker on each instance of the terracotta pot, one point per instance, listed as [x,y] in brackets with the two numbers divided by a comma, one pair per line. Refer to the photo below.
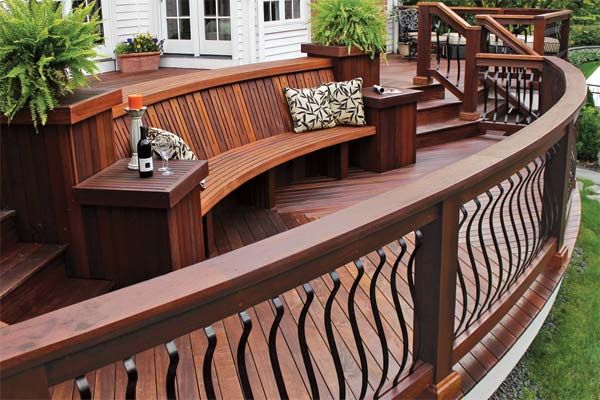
[138,62]
[346,65]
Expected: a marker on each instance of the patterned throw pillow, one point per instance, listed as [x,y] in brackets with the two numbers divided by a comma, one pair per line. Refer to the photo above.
[346,102]
[309,108]
[181,150]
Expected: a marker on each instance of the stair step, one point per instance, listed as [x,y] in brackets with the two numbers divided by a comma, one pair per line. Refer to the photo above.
[450,130]
[8,230]
[23,260]
[53,294]
[437,110]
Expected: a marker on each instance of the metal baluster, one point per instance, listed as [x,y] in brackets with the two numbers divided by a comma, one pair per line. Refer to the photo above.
[438,49]
[211,336]
[355,330]
[473,262]
[241,354]
[398,307]
[448,54]
[276,301]
[310,295]
[486,92]
[411,285]
[515,230]
[458,60]
[540,213]
[486,258]
[494,117]
[461,278]
[528,200]
[132,378]
[499,255]
[378,323]
[337,362]
[507,80]
[522,218]
[519,77]
[505,234]
[529,117]
[172,370]
[83,387]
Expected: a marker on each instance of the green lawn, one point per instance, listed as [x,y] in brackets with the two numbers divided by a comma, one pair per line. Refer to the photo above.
[589,68]
[564,360]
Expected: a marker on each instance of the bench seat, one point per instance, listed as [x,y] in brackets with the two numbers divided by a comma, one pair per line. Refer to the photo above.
[229,170]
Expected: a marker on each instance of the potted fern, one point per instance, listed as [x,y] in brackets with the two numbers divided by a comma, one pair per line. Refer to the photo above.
[353,33]
[43,55]
[140,53]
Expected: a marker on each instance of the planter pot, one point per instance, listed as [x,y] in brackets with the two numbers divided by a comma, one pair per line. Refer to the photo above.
[347,65]
[138,62]
[404,49]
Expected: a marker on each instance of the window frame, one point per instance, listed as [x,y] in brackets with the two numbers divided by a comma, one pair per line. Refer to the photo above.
[282,20]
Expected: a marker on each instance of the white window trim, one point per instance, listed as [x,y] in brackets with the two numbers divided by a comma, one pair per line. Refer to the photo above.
[105,50]
[282,21]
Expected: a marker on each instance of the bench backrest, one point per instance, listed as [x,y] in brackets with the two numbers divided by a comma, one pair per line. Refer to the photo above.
[240,106]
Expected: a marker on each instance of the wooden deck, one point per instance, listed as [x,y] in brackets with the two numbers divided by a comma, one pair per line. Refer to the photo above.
[238,225]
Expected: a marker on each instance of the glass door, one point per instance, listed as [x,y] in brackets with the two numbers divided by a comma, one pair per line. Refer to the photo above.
[215,29]
[177,26]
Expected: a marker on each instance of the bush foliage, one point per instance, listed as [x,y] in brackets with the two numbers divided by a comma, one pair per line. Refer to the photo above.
[588,140]
[580,57]
[585,34]
[359,23]
[43,55]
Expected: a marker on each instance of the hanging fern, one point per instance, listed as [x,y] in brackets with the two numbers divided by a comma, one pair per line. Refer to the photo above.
[359,23]
[43,54]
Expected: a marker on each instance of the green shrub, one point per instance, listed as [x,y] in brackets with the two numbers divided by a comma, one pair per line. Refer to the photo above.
[580,57]
[140,43]
[588,140]
[359,23]
[585,35]
[43,55]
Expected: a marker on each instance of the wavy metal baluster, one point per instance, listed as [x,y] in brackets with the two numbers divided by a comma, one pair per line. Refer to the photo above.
[495,116]
[458,60]
[499,256]
[448,55]
[528,200]
[461,278]
[310,372]
[132,378]
[211,336]
[508,82]
[276,301]
[83,387]
[486,92]
[541,218]
[473,262]
[378,323]
[355,330]
[172,370]
[398,307]
[241,354]
[518,115]
[438,51]
[486,258]
[522,218]
[337,362]
[506,237]
[530,115]
[411,285]
[515,230]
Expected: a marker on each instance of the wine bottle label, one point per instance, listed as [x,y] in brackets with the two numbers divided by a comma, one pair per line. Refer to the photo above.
[146,164]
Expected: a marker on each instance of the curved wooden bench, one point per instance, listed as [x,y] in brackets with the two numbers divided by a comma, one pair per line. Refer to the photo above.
[231,169]
[237,118]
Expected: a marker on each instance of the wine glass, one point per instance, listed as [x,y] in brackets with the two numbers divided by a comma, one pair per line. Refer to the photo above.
[164,148]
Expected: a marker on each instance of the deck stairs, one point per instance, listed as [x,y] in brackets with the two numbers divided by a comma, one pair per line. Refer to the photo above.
[33,277]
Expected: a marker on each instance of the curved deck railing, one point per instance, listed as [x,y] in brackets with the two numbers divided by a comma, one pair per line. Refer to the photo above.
[527,174]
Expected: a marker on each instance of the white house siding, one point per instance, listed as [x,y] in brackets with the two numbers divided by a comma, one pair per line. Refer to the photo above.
[131,17]
[281,39]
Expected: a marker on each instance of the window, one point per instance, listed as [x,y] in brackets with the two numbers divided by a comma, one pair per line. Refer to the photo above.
[273,9]
[68,5]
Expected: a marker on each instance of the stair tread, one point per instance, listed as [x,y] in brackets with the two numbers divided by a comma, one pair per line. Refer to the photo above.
[442,125]
[436,103]
[24,260]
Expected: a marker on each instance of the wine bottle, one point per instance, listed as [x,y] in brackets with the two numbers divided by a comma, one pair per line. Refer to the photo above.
[144,150]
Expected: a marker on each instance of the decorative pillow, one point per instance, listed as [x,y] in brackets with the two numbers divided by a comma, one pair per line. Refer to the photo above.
[346,102]
[181,151]
[309,108]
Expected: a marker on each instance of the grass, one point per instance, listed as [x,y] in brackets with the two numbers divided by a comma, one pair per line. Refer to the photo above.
[564,360]
[589,68]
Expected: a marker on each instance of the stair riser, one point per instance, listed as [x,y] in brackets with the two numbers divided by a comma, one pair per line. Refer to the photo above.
[431,92]
[447,135]
[8,233]
[438,114]
[17,304]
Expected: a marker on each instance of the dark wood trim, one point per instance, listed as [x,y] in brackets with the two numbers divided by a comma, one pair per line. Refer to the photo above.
[330,51]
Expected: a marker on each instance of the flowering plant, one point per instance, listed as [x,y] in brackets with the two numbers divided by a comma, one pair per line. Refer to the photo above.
[140,43]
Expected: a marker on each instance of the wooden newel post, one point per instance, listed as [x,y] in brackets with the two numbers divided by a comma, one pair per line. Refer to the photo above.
[471,78]
[423,47]
[557,191]
[435,292]
[539,33]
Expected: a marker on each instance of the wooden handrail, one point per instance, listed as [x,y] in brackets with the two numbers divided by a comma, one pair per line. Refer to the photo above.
[88,335]
[492,25]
